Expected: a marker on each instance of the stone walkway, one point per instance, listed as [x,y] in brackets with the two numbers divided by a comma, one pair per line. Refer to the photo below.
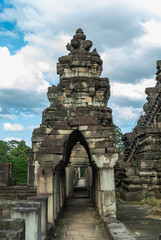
[80,221]
[138,219]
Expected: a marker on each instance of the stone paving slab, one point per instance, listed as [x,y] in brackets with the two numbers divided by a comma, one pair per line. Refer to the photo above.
[80,221]
[138,219]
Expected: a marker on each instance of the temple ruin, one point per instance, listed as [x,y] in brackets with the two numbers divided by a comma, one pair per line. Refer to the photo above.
[140,171]
[77,136]
[77,116]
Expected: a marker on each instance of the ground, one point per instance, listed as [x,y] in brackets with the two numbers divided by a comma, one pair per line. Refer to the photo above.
[138,219]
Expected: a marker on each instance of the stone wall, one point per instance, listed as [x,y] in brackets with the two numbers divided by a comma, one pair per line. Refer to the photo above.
[6,174]
[25,220]
[16,192]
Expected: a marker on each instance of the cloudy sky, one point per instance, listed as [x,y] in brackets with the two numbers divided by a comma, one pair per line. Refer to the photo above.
[33,35]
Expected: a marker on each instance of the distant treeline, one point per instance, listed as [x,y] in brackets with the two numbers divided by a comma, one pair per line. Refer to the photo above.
[18,153]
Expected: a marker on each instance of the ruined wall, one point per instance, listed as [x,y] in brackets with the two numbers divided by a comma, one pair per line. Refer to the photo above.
[6,174]
[142,162]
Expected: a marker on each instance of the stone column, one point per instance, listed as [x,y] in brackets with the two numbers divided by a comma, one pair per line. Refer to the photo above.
[96,187]
[89,179]
[107,206]
[57,192]
[69,181]
[61,190]
[45,186]
[55,196]
[99,193]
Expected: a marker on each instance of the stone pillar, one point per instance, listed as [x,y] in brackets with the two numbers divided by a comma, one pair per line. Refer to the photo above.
[107,206]
[78,172]
[45,186]
[36,172]
[63,187]
[61,190]
[89,179]
[69,181]
[96,187]
[57,192]
[99,193]
[55,196]
[44,211]
[32,216]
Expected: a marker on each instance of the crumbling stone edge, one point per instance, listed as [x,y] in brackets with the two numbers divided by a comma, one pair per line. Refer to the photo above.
[116,229]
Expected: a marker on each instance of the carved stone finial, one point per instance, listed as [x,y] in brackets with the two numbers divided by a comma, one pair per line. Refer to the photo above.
[79,42]
[87,45]
[79,31]
[80,61]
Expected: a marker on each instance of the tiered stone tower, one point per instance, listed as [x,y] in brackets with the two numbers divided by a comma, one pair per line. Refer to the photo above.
[142,163]
[78,113]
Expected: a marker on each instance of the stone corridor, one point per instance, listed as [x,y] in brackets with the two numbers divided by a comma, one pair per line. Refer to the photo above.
[79,219]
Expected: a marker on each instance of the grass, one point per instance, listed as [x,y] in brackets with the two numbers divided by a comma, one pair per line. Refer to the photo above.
[155,203]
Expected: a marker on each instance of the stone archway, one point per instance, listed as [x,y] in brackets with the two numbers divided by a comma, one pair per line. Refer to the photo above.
[78,112]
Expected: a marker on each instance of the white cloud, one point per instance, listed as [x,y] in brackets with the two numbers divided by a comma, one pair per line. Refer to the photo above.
[7,139]
[152,35]
[25,69]
[13,127]
[126,117]
[126,113]
[6,116]
[132,91]
[3,32]
[32,127]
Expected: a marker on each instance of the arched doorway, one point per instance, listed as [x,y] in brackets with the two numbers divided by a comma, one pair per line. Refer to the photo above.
[58,153]
[79,168]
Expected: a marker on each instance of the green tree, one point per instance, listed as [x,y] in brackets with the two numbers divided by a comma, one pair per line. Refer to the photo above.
[17,153]
[4,151]
[118,138]
[19,149]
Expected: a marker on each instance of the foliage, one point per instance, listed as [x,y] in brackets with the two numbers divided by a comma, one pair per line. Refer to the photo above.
[151,201]
[155,203]
[17,153]
[118,138]
[83,172]
[4,151]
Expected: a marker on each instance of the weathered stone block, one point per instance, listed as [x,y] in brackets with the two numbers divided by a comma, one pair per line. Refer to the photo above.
[98,150]
[147,164]
[44,214]
[32,216]
[130,171]
[11,235]
[12,224]
[49,160]
[6,174]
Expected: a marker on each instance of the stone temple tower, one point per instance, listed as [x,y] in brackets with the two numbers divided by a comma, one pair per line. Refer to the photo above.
[78,114]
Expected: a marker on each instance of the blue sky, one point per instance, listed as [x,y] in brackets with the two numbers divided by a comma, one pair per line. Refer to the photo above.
[33,35]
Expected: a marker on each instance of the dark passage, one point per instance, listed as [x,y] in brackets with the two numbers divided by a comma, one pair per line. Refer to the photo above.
[80,190]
